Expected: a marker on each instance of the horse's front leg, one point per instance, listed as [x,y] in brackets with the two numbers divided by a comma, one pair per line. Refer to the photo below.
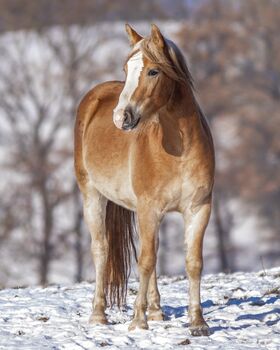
[148,225]
[196,221]
[95,213]
[154,309]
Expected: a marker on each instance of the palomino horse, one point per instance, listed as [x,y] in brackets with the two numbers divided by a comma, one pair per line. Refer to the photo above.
[144,147]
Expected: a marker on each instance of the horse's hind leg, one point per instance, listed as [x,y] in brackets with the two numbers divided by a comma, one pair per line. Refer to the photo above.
[196,221]
[148,225]
[154,309]
[95,212]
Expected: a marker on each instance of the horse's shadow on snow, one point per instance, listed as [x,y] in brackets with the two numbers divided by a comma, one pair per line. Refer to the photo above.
[209,307]
[176,312]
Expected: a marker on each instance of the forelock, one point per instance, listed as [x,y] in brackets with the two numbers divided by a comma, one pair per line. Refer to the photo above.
[170,60]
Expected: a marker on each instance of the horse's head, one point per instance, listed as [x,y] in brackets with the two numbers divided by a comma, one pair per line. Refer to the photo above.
[153,67]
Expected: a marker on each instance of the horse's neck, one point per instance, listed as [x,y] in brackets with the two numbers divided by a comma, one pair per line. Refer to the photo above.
[181,111]
[175,125]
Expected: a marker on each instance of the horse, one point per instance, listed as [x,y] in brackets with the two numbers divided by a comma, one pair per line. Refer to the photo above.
[144,148]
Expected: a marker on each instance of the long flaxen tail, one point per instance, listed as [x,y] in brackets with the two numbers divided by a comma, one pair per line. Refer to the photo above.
[120,233]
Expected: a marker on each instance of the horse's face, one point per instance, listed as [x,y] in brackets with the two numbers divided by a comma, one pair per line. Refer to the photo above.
[146,88]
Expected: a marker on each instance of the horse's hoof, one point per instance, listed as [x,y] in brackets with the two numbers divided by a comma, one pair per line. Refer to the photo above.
[141,324]
[98,319]
[155,315]
[198,331]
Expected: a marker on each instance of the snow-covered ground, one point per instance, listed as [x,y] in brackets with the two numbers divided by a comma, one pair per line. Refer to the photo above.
[242,309]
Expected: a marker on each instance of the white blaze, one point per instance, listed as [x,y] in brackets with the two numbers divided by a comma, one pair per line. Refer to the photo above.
[134,68]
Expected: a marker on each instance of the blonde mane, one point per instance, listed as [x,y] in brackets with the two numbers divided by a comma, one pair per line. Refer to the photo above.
[170,60]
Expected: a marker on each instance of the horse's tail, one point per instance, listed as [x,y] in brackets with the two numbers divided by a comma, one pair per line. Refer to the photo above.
[120,231]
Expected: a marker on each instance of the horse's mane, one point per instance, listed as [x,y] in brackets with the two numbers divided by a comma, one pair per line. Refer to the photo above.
[170,60]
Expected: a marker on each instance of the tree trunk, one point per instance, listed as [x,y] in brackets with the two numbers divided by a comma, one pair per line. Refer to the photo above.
[78,232]
[163,248]
[221,235]
[47,231]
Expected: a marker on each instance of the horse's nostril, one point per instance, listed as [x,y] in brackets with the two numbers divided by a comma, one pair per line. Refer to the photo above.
[130,120]
[127,117]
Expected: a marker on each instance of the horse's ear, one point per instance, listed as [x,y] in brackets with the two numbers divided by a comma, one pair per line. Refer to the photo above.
[157,37]
[133,36]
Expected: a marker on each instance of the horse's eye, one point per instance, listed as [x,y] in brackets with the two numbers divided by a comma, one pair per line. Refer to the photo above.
[152,72]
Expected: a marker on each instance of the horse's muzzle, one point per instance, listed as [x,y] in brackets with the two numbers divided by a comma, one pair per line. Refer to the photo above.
[131,119]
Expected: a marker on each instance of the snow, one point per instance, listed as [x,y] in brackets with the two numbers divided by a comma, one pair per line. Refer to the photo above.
[242,310]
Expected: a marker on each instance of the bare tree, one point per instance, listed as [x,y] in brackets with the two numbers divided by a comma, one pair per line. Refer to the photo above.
[39,94]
